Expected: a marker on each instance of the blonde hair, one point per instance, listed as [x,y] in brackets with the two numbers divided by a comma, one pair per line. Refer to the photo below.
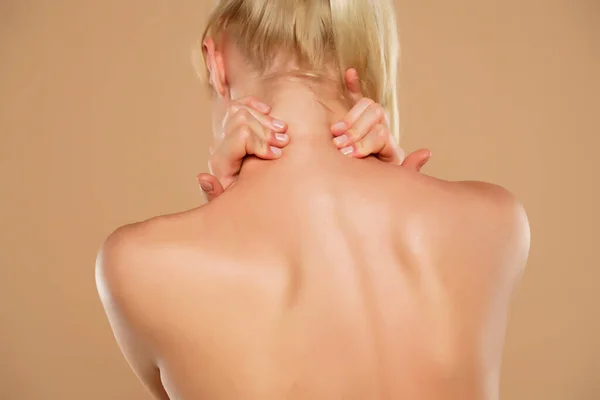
[359,34]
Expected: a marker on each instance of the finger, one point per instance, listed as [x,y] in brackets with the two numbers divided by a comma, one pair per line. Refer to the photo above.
[262,149]
[253,102]
[242,114]
[244,117]
[227,159]
[353,84]
[244,136]
[210,186]
[351,117]
[378,142]
[229,153]
[417,159]
[372,116]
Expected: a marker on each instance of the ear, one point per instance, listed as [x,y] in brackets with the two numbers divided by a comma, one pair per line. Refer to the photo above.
[215,65]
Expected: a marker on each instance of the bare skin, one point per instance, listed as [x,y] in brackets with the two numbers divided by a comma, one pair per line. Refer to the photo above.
[319,276]
[364,126]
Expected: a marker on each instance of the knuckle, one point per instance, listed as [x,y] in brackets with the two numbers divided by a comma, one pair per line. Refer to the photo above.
[264,148]
[260,148]
[378,111]
[367,101]
[352,134]
[360,149]
[382,132]
[242,115]
[234,108]
[266,134]
[244,132]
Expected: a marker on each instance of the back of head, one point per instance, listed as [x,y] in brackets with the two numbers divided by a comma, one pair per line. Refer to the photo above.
[315,35]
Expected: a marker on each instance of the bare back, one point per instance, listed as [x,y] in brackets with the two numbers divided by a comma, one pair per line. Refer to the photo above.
[350,279]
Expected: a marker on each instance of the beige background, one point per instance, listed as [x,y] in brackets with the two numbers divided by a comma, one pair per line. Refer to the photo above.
[102,122]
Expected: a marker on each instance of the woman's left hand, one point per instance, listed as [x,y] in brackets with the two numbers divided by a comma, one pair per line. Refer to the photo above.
[364,131]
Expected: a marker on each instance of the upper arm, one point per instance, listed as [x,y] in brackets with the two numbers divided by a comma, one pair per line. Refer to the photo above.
[116,267]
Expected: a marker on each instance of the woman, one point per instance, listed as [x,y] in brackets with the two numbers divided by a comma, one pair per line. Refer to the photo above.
[317,275]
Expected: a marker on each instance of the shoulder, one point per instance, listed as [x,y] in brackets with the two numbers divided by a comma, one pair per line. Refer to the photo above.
[492,203]
[123,257]
[474,204]
[492,222]
[135,256]
[128,276]
[473,224]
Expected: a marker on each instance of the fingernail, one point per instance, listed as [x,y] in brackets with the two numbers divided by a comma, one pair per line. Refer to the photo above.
[278,124]
[282,137]
[346,150]
[207,187]
[276,151]
[341,140]
[338,126]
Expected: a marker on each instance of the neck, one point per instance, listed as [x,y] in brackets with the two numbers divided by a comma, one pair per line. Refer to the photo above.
[309,106]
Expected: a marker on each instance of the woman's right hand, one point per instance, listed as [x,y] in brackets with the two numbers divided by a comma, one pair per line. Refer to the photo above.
[247,130]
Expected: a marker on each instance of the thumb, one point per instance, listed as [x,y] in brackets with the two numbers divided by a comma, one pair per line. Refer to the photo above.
[417,159]
[210,186]
[353,84]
